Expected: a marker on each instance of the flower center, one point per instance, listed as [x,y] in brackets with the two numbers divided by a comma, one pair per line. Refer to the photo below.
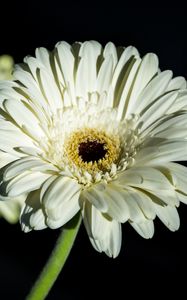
[92,150]
[90,145]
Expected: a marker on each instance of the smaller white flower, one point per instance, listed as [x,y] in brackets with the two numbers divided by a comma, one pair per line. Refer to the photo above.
[10,209]
[6,67]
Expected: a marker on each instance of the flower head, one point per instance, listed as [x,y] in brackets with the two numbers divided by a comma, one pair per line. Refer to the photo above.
[6,67]
[95,129]
[10,209]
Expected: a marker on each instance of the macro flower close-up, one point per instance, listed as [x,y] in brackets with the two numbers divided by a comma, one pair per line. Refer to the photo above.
[97,130]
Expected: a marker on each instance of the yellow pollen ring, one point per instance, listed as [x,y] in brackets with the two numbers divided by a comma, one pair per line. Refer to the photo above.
[111,145]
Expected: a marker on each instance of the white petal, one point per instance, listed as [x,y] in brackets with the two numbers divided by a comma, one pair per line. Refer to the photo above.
[110,51]
[25,182]
[162,151]
[157,110]
[46,185]
[66,61]
[14,93]
[152,91]
[65,212]
[178,174]
[135,212]
[6,158]
[105,75]
[10,140]
[39,109]
[31,151]
[145,203]
[7,84]
[24,219]
[117,207]
[145,229]
[104,235]
[169,216]
[33,89]
[22,165]
[37,220]
[21,95]
[180,103]
[60,190]
[94,195]
[176,84]
[87,69]
[61,201]
[33,66]
[109,200]
[174,120]
[163,198]
[181,197]
[113,245]
[43,55]
[50,90]
[124,90]
[32,216]
[129,52]
[148,68]
[147,178]
[93,221]
[23,116]
[54,224]
[172,127]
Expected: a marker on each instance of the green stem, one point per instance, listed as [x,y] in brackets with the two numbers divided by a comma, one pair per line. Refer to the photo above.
[56,261]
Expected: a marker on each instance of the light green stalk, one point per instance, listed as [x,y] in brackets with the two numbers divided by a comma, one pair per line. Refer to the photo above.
[56,261]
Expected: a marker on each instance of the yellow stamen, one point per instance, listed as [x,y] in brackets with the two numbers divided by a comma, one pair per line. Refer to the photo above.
[89,136]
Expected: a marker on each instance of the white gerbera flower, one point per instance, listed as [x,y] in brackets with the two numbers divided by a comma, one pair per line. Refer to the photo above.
[95,129]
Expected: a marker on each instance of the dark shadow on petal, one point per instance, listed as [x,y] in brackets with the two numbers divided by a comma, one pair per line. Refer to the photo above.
[73,222]
[3,184]
[32,204]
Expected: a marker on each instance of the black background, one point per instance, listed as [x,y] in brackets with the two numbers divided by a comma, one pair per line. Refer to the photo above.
[144,268]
